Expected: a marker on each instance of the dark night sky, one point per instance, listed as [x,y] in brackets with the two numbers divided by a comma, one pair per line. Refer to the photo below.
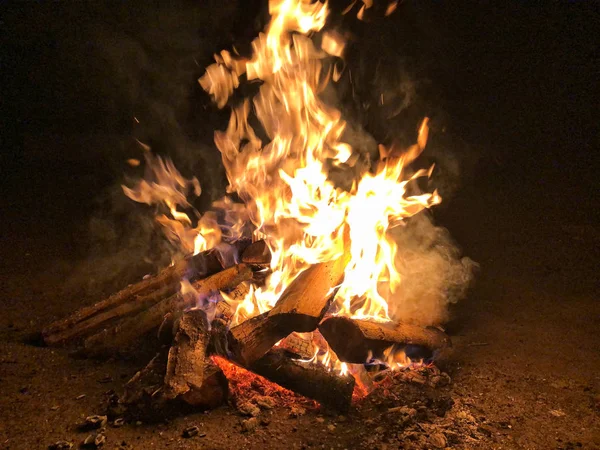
[519,82]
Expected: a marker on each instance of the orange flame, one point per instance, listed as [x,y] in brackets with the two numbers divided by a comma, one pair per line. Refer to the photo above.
[285,184]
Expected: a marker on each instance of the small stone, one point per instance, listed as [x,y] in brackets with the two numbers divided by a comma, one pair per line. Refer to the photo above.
[331,427]
[434,380]
[54,408]
[249,424]
[417,378]
[191,431]
[95,421]
[404,414]
[342,419]
[61,445]
[100,440]
[94,440]
[118,423]
[265,402]
[557,412]
[265,421]
[297,411]
[248,409]
[438,440]
[444,380]
[320,420]
[379,430]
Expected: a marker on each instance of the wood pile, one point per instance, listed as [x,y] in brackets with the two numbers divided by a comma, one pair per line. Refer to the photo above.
[269,344]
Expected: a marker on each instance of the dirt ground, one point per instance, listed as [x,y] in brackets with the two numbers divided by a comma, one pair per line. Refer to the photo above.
[525,373]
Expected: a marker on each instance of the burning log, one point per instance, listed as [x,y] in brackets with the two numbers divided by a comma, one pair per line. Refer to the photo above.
[132,299]
[300,308]
[298,346]
[254,337]
[257,253]
[185,367]
[354,341]
[111,340]
[311,380]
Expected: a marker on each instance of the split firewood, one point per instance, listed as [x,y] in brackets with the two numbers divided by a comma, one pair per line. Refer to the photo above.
[354,341]
[134,298]
[311,380]
[224,311]
[254,337]
[300,308]
[185,367]
[111,340]
[257,253]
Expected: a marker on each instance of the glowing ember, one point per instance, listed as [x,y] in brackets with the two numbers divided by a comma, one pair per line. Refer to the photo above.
[244,384]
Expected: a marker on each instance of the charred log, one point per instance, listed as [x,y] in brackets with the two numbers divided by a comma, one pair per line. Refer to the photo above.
[111,340]
[134,298]
[185,366]
[144,393]
[254,337]
[298,347]
[257,253]
[354,341]
[311,380]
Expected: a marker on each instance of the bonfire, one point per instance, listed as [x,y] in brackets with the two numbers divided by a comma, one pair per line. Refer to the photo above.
[298,273]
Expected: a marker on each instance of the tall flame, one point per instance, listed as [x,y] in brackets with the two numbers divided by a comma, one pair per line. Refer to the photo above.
[286,183]
[284,177]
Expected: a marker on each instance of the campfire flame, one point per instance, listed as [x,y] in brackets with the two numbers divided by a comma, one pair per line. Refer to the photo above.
[283,173]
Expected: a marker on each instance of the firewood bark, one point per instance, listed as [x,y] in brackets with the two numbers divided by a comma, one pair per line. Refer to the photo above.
[354,341]
[110,340]
[132,299]
[311,380]
[185,367]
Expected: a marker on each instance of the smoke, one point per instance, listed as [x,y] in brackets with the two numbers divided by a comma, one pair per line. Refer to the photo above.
[434,274]
[139,69]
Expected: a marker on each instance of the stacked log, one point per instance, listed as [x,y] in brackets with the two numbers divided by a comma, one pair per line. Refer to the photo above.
[269,344]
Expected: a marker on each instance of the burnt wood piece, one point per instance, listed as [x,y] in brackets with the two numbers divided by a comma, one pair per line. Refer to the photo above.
[145,390]
[132,299]
[223,314]
[185,367]
[306,300]
[214,390]
[146,385]
[298,346]
[310,380]
[354,341]
[300,308]
[257,254]
[111,340]
[254,337]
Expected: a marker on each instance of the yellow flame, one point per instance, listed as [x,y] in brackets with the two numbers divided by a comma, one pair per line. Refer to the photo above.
[285,184]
